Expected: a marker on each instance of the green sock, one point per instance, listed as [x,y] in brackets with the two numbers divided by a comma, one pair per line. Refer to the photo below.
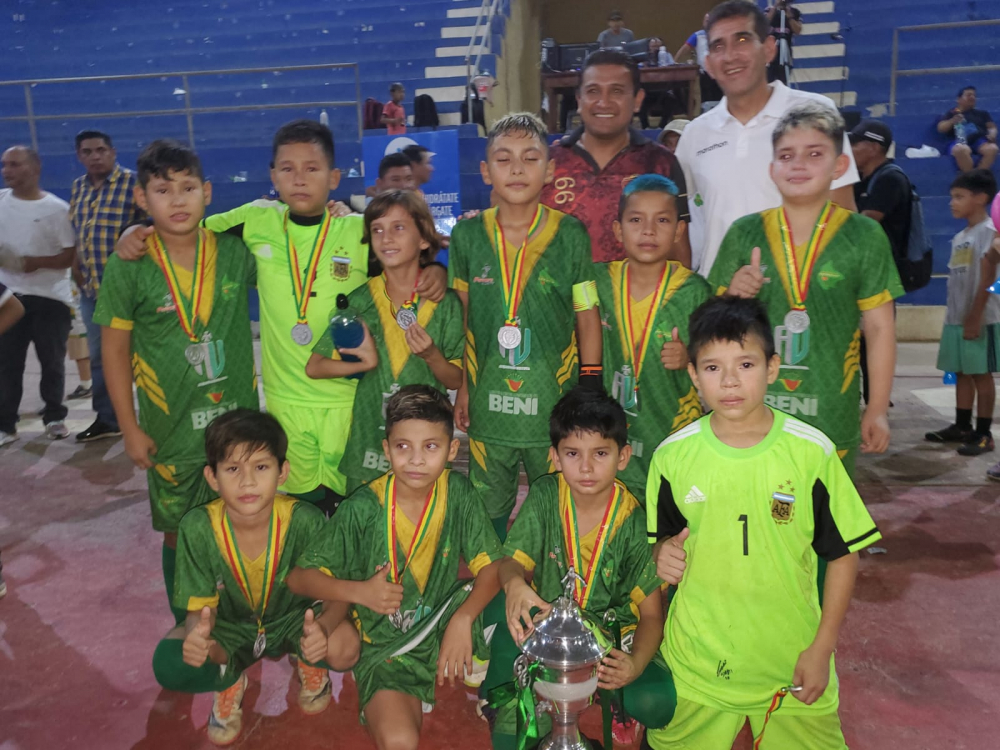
[168,560]
[500,524]
[173,674]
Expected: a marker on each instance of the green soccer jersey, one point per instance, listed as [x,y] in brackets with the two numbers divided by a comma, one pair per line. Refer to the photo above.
[512,391]
[341,267]
[759,520]
[853,272]
[663,400]
[540,540]
[184,385]
[354,545]
[397,366]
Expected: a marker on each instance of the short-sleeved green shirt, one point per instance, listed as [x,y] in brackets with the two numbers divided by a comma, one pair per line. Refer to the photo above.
[512,391]
[854,272]
[666,399]
[759,520]
[343,267]
[353,546]
[397,366]
[184,385]
[537,540]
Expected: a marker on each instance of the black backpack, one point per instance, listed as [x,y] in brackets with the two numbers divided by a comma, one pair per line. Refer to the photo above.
[425,113]
[916,261]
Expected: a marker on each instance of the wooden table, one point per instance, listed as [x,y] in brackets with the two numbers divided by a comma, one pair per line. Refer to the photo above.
[554,84]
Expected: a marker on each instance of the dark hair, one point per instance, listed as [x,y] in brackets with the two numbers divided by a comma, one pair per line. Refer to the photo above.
[979,181]
[416,207]
[584,409]
[612,57]
[397,86]
[518,123]
[420,402]
[247,430]
[304,131]
[961,91]
[164,156]
[729,319]
[740,9]
[616,15]
[391,161]
[415,153]
[86,135]
[647,183]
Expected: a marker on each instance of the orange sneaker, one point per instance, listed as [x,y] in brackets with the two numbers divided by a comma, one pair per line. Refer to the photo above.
[226,719]
[316,690]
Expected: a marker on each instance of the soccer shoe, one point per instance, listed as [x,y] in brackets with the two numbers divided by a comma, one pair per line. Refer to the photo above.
[81,392]
[994,472]
[98,431]
[316,690]
[6,438]
[950,434]
[226,719]
[977,446]
[475,678]
[56,430]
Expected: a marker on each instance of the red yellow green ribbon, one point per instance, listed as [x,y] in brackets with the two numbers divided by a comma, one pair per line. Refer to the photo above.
[235,560]
[302,287]
[187,310]
[776,702]
[637,350]
[800,280]
[412,303]
[392,540]
[512,279]
[583,590]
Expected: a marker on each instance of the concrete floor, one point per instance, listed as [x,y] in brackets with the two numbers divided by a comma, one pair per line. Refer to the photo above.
[918,661]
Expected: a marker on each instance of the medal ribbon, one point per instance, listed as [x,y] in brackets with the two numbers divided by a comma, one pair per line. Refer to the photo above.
[187,311]
[573,544]
[411,303]
[776,701]
[235,560]
[430,504]
[800,281]
[638,353]
[302,287]
[512,278]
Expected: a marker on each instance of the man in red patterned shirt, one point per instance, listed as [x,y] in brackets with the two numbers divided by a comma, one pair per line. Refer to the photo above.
[593,163]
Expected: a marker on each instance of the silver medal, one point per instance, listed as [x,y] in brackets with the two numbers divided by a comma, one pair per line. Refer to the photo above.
[194,354]
[259,645]
[405,317]
[302,334]
[797,321]
[509,337]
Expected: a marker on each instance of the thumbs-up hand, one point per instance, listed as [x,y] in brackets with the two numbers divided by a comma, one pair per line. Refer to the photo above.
[198,641]
[380,594]
[749,279]
[674,354]
[671,559]
[313,643]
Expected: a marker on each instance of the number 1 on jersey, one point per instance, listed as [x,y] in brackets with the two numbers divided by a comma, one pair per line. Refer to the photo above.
[743,520]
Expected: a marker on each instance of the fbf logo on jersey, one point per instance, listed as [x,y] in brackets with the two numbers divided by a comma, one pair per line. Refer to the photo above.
[783,503]
[340,267]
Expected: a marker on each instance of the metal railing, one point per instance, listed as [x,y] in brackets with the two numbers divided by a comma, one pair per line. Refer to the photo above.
[489,10]
[910,72]
[187,110]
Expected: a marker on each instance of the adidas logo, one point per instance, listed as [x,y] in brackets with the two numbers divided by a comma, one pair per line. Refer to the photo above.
[694,495]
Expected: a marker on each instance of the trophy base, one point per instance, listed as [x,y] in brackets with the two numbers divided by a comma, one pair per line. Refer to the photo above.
[568,743]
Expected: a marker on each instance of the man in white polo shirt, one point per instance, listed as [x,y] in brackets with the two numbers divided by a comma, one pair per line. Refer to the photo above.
[726,152]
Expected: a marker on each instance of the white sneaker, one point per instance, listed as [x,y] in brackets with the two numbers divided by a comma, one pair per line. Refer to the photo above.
[6,438]
[56,430]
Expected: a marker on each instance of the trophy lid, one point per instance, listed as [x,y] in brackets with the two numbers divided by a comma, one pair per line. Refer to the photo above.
[567,637]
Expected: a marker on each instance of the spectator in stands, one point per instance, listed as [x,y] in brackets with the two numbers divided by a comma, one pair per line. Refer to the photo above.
[393,114]
[37,247]
[971,130]
[665,100]
[726,152]
[616,35]
[593,162]
[671,133]
[101,206]
[696,46]
[420,163]
[782,33]
[657,54]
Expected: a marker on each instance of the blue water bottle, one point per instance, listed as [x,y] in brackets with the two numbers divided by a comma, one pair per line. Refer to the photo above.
[347,332]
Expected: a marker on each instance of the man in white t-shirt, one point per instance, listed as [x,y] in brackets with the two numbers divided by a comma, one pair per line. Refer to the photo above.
[37,247]
[726,152]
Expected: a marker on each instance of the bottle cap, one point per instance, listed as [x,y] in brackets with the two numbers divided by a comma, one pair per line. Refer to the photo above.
[342,303]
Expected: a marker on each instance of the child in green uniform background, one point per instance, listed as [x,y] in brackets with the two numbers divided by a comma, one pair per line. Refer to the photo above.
[409,340]
[393,551]
[742,504]
[582,517]
[646,301]
[176,323]
[232,560]
[522,271]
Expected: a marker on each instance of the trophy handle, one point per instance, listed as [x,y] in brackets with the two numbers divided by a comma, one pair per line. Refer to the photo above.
[569,582]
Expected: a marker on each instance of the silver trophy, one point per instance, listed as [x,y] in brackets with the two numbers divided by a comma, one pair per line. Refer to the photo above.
[569,645]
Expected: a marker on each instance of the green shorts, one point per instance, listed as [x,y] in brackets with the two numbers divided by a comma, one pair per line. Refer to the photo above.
[976,357]
[494,471]
[698,727]
[237,638]
[316,440]
[174,490]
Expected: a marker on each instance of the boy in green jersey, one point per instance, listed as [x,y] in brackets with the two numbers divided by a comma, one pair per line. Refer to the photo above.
[820,271]
[522,271]
[305,257]
[393,551]
[582,517]
[233,557]
[176,323]
[646,301]
[741,506]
